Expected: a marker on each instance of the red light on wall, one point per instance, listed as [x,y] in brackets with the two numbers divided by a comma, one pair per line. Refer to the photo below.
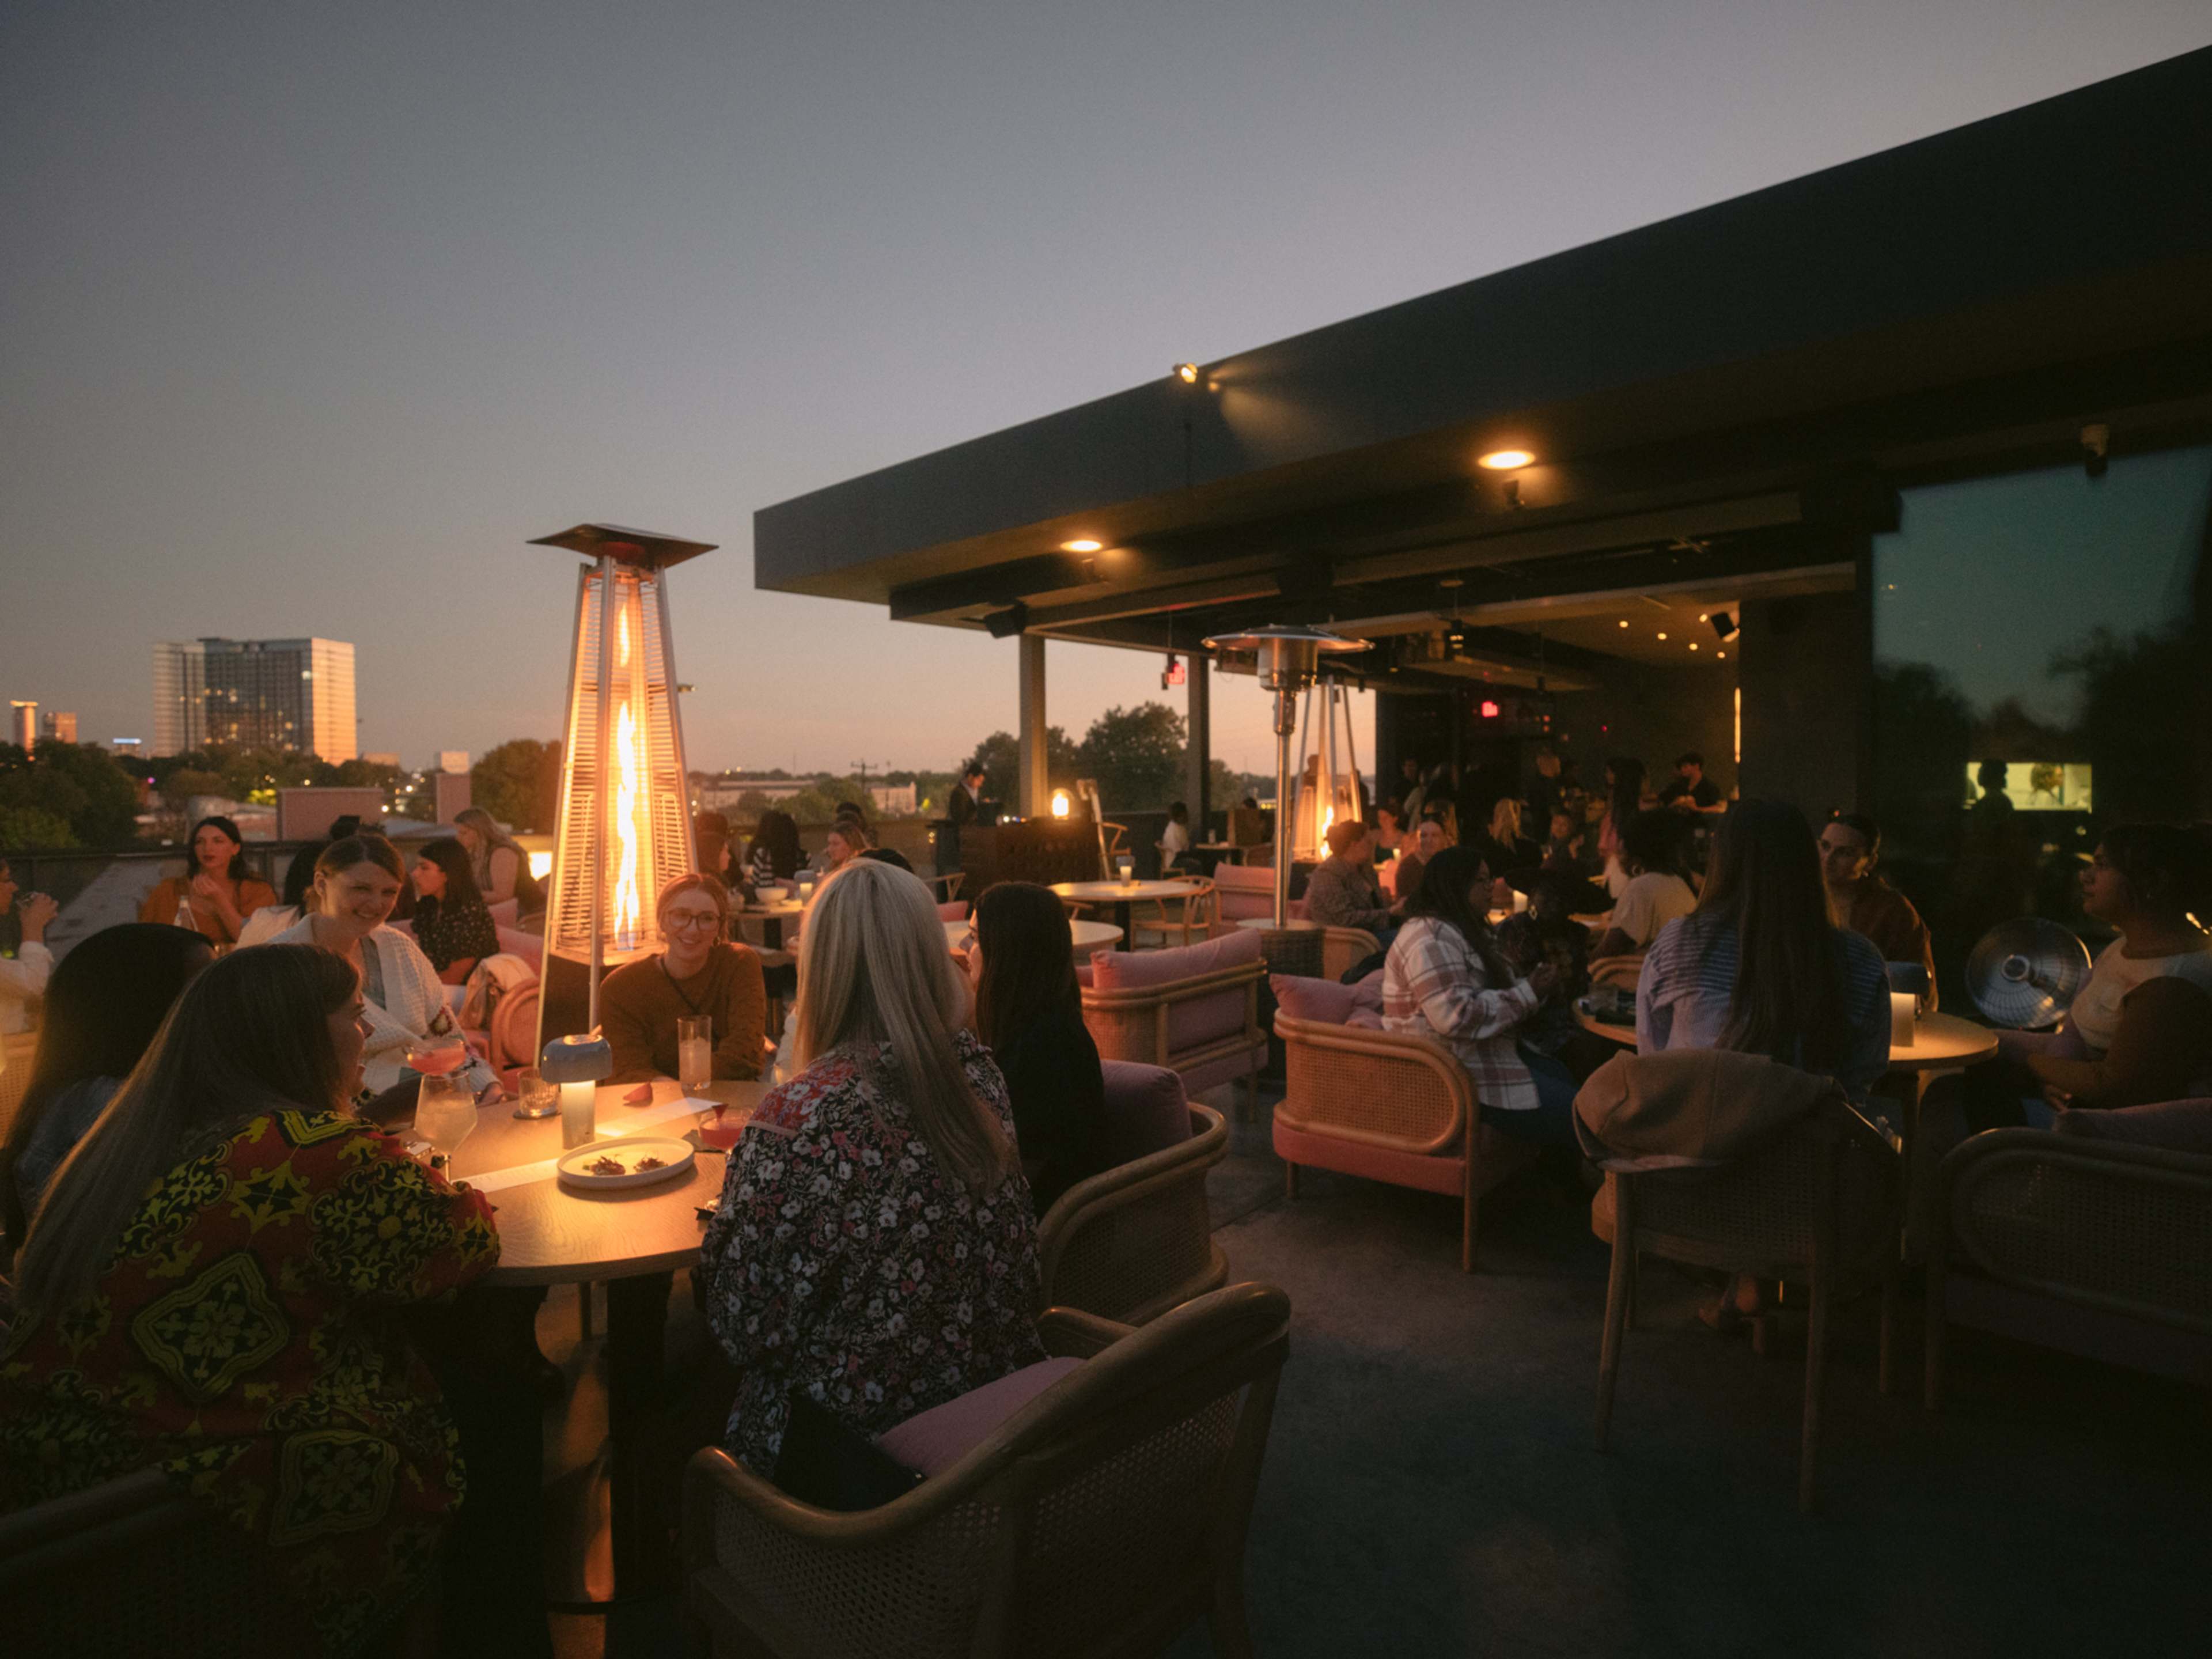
[1488,710]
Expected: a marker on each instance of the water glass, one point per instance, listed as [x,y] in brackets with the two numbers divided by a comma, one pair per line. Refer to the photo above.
[445,1113]
[1127,866]
[537,1097]
[694,1051]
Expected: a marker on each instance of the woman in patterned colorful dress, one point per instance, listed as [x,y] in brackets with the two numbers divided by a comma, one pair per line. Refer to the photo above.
[875,1247]
[214,1284]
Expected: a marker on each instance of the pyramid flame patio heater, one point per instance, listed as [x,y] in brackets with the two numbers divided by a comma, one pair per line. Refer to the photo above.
[624,826]
[1289,661]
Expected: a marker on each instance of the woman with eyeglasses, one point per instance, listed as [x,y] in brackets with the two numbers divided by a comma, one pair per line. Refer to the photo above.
[701,972]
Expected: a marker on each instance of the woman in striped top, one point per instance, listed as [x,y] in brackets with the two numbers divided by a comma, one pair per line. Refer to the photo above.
[1759,967]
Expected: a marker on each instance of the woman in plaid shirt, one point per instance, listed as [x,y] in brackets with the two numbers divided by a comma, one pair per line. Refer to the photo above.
[1445,978]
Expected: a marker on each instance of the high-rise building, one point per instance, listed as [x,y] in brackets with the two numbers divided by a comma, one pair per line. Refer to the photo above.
[255,693]
[23,727]
[57,725]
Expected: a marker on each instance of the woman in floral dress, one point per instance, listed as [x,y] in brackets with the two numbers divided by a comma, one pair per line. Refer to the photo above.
[875,1245]
[213,1284]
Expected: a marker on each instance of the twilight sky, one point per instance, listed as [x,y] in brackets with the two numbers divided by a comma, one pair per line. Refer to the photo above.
[312,314]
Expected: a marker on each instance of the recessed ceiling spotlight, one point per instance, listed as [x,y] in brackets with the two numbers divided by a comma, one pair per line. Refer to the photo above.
[1505,461]
[1662,636]
[1701,616]
[1694,645]
[1187,372]
[1624,624]
[1081,545]
[1720,653]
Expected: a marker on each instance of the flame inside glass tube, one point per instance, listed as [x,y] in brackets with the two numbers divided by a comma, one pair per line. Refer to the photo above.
[628,911]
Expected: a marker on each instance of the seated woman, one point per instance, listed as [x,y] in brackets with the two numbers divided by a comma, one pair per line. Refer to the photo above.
[898,1113]
[25,970]
[1445,978]
[219,894]
[1759,968]
[1029,1011]
[356,884]
[1427,841]
[452,927]
[1504,847]
[104,1004]
[1657,892]
[701,972]
[847,840]
[2140,1031]
[499,862]
[213,1287]
[1858,899]
[773,854]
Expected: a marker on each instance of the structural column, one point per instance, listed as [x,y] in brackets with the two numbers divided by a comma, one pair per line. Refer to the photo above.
[1033,785]
[1198,758]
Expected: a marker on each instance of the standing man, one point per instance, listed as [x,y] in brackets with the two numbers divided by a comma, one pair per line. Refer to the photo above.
[1410,769]
[1548,794]
[965,807]
[1692,790]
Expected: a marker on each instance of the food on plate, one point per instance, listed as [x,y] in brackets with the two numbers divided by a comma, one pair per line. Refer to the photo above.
[644,1163]
[606,1166]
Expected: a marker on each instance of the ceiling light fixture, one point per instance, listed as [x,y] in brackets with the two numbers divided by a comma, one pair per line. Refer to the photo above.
[1662,636]
[1505,461]
[1187,372]
[1086,544]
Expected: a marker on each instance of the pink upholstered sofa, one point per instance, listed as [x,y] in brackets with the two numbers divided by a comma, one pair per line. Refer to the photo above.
[1195,1009]
[1382,1105]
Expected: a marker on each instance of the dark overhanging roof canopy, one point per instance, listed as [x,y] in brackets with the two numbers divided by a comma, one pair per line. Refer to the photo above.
[1701,395]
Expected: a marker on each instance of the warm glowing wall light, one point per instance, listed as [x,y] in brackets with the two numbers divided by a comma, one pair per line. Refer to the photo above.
[1504,460]
[1059,803]
[1187,372]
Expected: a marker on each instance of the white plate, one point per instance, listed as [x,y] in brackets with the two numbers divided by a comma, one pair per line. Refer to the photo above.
[676,1157]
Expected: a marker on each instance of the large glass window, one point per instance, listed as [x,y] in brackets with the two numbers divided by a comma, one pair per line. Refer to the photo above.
[2039,674]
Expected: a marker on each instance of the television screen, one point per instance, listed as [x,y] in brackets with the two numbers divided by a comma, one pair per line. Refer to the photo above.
[2033,785]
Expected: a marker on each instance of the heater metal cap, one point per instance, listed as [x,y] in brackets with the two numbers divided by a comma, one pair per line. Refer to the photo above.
[1288,656]
[624,545]
[587,1058]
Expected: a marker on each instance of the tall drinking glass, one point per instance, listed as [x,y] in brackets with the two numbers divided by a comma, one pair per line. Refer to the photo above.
[1127,866]
[695,1052]
[445,1113]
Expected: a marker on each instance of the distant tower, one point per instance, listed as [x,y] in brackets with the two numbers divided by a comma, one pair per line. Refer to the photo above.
[256,693]
[23,728]
[57,725]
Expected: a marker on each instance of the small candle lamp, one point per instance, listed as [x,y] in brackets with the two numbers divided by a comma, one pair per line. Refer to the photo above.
[578,1064]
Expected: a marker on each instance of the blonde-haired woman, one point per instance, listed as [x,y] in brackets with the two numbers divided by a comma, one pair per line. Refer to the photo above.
[875,1248]
[212,1285]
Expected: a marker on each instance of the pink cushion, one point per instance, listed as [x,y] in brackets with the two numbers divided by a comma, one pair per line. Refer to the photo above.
[1330,1002]
[1202,1020]
[955,911]
[934,1440]
[531,947]
[1146,1112]
[2177,1126]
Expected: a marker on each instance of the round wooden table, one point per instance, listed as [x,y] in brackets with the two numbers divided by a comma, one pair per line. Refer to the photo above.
[1123,894]
[1087,935]
[633,1238]
[771,918]
[1943,1042]
[1623,1034]
[1267,924]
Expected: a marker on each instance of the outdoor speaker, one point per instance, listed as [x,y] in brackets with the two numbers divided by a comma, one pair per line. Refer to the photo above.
[1004,624]
[1723,624]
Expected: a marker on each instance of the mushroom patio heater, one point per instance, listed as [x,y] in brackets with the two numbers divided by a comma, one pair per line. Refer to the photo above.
[1329,786]
[624,826]
[1289,661]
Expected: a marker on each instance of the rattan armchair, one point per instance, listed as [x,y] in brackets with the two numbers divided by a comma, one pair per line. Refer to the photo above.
[2096,1246]
[1342,949]
[1388,1106]
[1822,1201]
[135,1566]
[1133,1241]
[1103,1517]
[1136,1023]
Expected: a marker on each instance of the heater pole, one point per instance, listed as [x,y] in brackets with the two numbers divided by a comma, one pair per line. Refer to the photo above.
[603,796]
[1286,719]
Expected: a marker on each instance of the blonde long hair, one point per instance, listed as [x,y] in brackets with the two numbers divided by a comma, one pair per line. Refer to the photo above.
[1505,820]
[873,969]
[251,1035]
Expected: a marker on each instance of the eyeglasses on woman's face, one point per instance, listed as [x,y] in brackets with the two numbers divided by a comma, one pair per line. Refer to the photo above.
[683,919]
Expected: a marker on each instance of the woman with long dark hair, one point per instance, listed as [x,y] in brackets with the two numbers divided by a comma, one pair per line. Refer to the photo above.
[1759,968]
[107,999]
[773,854]
[213,1287]
[1029,1012]
[1445,978]
[453,925]
[219,894]
[1624,799]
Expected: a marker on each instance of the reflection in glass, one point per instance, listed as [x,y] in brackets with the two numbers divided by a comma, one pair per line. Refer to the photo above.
[2037,674]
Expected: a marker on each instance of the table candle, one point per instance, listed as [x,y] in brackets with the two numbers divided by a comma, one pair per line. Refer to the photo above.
[1904,1007]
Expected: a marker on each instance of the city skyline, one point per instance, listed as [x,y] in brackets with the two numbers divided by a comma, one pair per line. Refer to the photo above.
[320,330]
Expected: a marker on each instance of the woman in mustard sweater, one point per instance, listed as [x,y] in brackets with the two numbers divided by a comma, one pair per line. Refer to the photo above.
[700,973]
